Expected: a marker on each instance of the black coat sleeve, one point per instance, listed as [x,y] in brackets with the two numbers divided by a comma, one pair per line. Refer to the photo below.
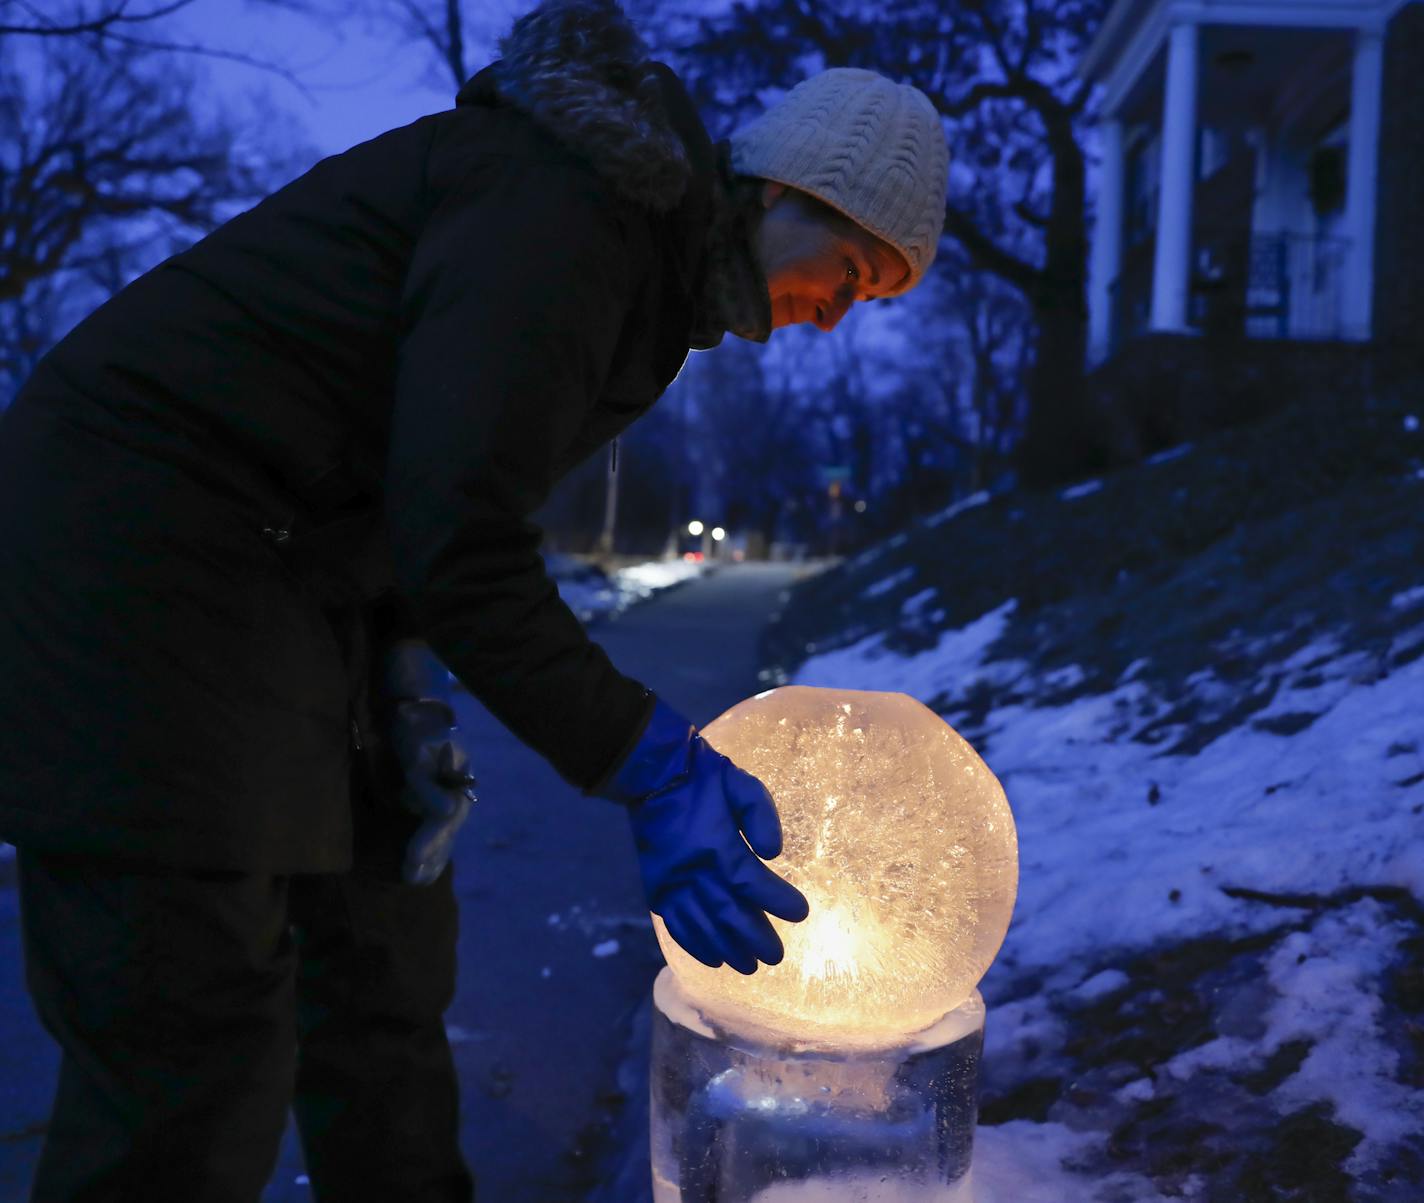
[512,310]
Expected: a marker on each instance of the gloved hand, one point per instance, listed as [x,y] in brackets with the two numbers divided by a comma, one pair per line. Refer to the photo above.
[436,765]
[690,807]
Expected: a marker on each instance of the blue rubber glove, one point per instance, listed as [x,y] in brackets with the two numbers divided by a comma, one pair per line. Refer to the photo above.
[690,807]
[434,760]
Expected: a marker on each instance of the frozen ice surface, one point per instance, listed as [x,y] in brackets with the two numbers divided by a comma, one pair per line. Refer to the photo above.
[741,1122]
[903,842]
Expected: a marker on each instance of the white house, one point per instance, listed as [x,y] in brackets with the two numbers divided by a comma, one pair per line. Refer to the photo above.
[1239,184]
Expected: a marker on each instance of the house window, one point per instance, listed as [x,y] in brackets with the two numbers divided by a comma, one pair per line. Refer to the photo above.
[1144,182]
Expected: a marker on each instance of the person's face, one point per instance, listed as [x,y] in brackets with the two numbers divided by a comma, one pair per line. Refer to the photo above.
[817,261]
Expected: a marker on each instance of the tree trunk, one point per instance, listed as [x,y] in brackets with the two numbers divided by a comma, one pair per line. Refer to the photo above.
[1056,439]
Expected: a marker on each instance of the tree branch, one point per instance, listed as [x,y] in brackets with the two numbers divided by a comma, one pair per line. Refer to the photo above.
[100,24]
[231,56]
[424,27]
[995,37]
[977,95]
[1026,214]
[1033,36]
[1023,209]
[455,41]
[987,254]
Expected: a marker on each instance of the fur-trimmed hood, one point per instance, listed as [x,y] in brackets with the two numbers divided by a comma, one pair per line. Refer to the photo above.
[582,72]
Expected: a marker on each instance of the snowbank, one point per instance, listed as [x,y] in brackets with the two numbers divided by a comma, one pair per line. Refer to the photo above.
[1213,965]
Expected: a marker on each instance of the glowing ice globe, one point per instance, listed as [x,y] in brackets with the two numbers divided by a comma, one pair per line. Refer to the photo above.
[901,839]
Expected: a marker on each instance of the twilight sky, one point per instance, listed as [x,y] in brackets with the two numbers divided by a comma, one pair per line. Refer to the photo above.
[363,80]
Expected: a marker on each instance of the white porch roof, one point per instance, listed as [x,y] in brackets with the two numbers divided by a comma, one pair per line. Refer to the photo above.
[1135,30]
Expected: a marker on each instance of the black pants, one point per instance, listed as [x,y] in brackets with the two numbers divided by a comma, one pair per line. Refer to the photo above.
[193,1007]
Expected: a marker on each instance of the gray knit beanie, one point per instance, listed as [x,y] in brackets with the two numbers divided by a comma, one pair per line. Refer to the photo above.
[863,144]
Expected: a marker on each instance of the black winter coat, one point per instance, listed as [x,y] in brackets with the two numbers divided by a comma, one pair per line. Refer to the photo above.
[346,401]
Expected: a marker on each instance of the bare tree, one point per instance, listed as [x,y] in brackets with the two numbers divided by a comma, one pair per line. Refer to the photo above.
[997,352]
[121,23]
[105,165]
[754,435]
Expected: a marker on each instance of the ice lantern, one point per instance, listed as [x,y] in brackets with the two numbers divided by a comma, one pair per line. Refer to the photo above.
[848,1071]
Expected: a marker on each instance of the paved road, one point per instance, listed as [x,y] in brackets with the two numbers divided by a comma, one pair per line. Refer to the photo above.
[547,882]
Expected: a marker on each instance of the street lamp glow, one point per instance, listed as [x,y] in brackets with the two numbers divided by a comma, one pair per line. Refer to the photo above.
[718,533]
[694,528]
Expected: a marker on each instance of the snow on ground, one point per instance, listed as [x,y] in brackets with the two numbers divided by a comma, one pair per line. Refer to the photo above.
[1086,489]
[1167,456]
[953,511]
[1022,1162]
[646,579]
[1293,836]
[889,583]
[591,593]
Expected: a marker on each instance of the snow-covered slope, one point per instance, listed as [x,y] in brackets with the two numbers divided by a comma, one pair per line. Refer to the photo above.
[1213,987]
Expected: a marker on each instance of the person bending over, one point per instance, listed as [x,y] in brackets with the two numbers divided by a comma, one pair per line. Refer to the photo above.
[254,505]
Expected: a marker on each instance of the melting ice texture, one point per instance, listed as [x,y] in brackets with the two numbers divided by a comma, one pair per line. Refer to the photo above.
[903,842]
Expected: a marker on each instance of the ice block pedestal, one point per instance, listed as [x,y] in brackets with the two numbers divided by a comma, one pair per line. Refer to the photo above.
[736,1120]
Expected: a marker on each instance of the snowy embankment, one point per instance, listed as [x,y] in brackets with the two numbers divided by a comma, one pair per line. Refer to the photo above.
[1212,987]
[1296,856]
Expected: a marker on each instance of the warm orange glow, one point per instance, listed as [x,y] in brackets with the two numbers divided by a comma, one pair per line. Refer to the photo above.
[903,842]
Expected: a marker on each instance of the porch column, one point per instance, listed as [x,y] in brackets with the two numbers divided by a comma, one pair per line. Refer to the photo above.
[1107,243]
[1361,187]
[1172,263]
